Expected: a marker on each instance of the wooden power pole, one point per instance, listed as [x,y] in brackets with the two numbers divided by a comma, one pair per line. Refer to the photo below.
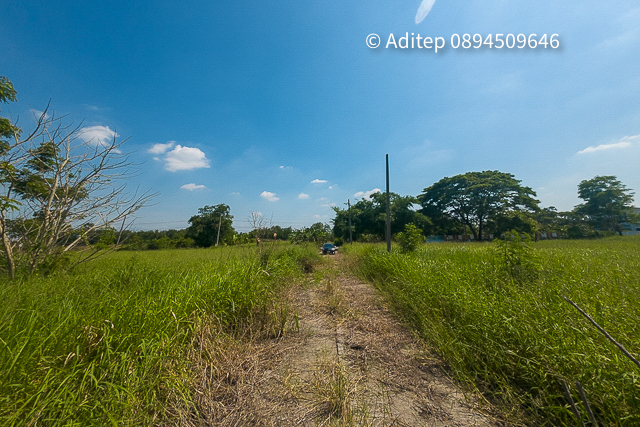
[349,209]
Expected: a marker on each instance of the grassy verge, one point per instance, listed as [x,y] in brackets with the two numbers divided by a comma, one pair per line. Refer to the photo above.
[106,343]
[508,332]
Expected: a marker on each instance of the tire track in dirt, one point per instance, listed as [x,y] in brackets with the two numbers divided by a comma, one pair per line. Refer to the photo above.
[349,362]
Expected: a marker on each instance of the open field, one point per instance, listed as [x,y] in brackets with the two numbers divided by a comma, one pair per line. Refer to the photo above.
[496,315]
[111,342]
[180,337]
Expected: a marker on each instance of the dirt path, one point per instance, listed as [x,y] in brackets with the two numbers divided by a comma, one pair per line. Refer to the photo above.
[348,362]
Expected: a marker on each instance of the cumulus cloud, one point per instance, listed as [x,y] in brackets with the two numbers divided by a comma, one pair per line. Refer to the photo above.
[185,158]
[318,181]
[367,194]
[267,195]
[37,114]
[98,135]
[193,187]
[161,148]
[303,196]
[622,143]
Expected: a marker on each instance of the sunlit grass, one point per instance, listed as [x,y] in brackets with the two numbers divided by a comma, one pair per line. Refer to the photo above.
[105,343]
[516,341]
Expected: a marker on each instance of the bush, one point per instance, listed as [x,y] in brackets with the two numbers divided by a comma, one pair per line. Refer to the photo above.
[410,239]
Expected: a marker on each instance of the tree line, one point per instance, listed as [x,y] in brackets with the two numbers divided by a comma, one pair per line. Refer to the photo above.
[213,226]
[489,203]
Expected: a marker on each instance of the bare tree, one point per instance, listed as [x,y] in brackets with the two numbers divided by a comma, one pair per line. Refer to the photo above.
[57,189]
[259,224]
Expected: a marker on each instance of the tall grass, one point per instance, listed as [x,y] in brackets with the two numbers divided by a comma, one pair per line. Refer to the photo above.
[515,340]
[105,344]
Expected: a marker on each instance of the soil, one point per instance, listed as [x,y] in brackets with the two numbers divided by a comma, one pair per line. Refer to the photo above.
[344,360]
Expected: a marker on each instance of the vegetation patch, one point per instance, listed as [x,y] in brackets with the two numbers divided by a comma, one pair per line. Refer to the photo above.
[108,344]
[495,313]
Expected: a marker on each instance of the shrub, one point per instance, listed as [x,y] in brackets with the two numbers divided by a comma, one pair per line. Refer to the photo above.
[410,239]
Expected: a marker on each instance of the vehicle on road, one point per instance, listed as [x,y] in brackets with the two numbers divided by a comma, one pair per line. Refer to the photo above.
[329,248]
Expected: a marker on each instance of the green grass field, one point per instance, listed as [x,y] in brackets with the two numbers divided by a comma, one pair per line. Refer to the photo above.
[106,344]
[110,343]
[497,317]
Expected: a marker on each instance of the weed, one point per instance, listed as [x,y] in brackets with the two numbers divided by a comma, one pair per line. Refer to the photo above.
[335,389]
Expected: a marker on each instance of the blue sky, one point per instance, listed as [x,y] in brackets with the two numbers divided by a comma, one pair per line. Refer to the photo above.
[281,107]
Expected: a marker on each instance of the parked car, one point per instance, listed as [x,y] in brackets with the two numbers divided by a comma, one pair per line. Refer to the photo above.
[329,248]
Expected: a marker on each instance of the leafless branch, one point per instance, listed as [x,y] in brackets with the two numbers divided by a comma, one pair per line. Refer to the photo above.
[605,333]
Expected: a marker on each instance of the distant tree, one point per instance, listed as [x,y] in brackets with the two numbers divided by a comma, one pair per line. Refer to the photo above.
[318,232]
[259,226]
[474,198]
[608,202]
[513,221]
[279,233]
[549,220]
[368,217]
[203,228]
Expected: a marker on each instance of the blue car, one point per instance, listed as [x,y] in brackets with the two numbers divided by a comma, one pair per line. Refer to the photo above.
[329,248]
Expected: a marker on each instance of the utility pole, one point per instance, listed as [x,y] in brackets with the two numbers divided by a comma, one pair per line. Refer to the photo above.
[219,224]
[350,235]
[388,211]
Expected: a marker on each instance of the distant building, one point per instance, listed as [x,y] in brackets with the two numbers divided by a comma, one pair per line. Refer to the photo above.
[630,229]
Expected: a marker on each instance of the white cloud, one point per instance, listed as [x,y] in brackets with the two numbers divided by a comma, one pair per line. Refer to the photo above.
[193,187]
[318,181]
[622,143]
[367,194]
[235,193]
[267,195]
[37,114]
[303,196]
[185,158]
[98,135]
[161,148]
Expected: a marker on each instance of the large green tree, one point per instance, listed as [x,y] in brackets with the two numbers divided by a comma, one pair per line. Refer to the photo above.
[203,228]
[368,216]
[474,198]
[608,202]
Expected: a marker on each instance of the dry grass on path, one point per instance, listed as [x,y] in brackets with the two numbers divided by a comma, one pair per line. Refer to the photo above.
[345,361]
